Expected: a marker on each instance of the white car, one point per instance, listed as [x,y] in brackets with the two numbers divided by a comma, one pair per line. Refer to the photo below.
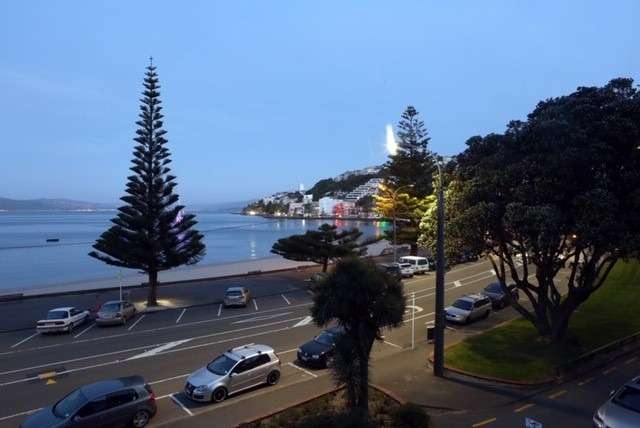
[468,308]
[406,270]
[418,264]
[62,319]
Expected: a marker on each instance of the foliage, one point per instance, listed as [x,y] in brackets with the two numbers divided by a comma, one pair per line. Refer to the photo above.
[559,191]
[270,208]
[320,246]
[364,301]
[410,416]
[148,233]
[516,351]
[367,203]
[331,186]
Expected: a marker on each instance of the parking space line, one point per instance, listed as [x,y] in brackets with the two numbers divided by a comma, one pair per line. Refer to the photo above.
[28,412]
[84,331]
[609,370]
[301,369]
[220,309]
[483,423]
[392,344]
[586,381]
[557,394]
[179,403]
[285,299]
[523,408]
[181,314]
[137,321]
[25,339]
[631,360]
[169,379]
[255,304]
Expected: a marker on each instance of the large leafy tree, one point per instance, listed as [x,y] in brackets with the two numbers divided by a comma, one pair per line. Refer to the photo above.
[556,194]
[364,301]
[407,179]
[320,246]
[150,232]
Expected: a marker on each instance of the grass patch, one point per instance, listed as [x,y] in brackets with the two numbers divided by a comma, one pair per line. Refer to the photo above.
[329,411]
[515,350]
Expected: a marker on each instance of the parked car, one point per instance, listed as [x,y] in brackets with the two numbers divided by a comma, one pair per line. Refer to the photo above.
[391,269]
[319,351]
[622,409]
[236,296]
[418,264]
[121,402]
[62,319]
[115,312]
[497,295]
[236,370]
[406,271]
[468,308]
[317,277]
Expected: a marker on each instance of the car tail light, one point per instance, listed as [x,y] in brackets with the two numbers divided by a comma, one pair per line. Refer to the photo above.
[152,395]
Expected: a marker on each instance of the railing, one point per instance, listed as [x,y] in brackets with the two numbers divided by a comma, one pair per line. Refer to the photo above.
[597,356]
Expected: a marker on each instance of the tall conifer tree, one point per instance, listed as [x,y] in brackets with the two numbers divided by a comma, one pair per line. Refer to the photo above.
[150,232]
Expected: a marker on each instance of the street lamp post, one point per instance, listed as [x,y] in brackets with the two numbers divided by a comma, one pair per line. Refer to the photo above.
[438,354]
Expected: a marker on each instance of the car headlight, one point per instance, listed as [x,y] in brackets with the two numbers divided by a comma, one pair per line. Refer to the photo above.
[597,420]
[315,357]
[200,389]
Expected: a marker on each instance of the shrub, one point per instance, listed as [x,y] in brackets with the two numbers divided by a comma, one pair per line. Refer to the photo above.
[410,416]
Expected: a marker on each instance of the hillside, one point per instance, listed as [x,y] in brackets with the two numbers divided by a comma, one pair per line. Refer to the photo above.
[7,204]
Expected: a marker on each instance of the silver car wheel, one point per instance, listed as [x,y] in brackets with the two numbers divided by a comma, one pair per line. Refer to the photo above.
[141,419]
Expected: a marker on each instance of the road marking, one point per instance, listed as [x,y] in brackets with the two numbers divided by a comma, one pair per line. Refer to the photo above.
[392,344]
[50,381]
[304,321]
[586,381]
[255,304]
[452,271]
[168,379]
[220,309]
[558,394]
[287,351]
[310,292]
[450,328]
[457,284]
[154,351]
[523,408]
[135,323]
[492,272]
[303,370]
[84,331]
[46,375]
[179,403]
[261,318]
[609,370]
[25,339]
[181,314]
[483,423]
[28,412]
[285,299]
[631,360]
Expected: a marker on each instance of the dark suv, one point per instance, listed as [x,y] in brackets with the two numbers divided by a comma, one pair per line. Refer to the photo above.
[390,268]
[499,299]
[122,402]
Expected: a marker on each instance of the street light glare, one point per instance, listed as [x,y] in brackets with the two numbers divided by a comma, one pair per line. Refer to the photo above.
[392,146]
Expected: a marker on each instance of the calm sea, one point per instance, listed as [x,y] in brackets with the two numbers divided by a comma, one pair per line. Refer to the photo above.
[27,260]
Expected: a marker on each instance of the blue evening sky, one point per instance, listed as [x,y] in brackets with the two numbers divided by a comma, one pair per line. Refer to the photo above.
[262,95]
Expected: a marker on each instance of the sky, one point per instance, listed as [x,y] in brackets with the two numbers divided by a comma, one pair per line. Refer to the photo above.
[261,96]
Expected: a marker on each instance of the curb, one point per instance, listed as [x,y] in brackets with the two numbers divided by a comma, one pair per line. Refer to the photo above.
[388,392]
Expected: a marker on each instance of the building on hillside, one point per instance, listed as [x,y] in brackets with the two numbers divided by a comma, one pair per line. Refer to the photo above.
[344,209]
[370,188]
[307,199]
[296,209]
[326,205]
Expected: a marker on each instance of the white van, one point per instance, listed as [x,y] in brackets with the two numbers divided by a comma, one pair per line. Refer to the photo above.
[418,264]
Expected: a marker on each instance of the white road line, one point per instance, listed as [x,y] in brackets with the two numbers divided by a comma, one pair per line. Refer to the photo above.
[181,314]
[179,403]
[159,349]
[255,304]
[454,270]
[84,331]
[261,318]
[287,351]
[220,309]
[457,284]
[169,379]
[285,299]
[304,321]
[392,344]
[25,339]
[302,370]
[137,321]
[28,412]
[310,292]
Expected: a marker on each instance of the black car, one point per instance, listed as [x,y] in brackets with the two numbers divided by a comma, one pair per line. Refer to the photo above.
[122,402]
[390,268]
[319,351]
[497,295]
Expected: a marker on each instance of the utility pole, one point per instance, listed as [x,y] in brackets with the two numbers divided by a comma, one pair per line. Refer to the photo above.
[413,319]
[438,353]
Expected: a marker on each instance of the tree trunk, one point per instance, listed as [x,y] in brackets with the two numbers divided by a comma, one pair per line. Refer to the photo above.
[325,263]
[363,394]
[414,249]
[152,298]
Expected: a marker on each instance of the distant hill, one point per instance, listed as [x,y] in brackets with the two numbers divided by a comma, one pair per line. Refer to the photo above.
[7,204]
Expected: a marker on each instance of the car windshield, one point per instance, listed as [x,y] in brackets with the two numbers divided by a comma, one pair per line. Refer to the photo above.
[57,315]
[326,338]
[628,398]
[234,293]
[221,365]
[69,404]
[494,288]
[462,304]
[110,307]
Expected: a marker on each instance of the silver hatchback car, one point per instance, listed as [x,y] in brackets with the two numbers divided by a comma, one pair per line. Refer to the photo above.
[622,409]
[237,369]
[236,296]
[468,308]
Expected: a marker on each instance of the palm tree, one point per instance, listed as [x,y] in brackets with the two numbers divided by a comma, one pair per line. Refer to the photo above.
[363,301]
